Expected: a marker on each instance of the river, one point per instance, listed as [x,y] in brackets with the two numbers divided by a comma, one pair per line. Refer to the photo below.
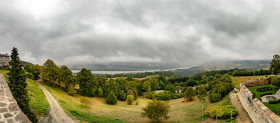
[124,72]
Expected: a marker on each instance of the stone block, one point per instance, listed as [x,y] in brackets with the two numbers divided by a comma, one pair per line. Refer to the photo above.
[3,110]
[8,93]
[3,104]
[10,121]
[13,107]
[7,115]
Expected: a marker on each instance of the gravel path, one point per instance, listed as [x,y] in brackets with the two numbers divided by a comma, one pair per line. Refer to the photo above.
[55,113]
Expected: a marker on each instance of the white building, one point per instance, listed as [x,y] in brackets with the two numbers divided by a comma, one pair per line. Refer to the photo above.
[4,59]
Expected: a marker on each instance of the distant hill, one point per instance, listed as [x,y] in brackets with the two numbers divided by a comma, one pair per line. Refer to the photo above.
[250,65]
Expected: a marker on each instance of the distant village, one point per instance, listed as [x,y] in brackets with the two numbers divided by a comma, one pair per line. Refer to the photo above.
[5,59]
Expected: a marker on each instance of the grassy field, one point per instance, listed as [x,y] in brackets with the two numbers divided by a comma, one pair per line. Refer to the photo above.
[257,94]
[121,112]
[273,107]
[38,102]
[238,79]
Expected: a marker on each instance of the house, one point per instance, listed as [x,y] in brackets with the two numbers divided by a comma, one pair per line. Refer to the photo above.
[4,59]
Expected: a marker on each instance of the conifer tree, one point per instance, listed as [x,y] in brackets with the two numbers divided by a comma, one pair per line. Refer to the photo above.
[18,85]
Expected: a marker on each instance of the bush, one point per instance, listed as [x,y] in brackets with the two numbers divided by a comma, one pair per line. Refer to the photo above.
[189,93]
[263,89]
[176,96]
[72,92]
[129,99]
[274,101]
[224,112]
[156,110]
[111,98]
[150,95]
[166,95]
[214,97]
[122,96]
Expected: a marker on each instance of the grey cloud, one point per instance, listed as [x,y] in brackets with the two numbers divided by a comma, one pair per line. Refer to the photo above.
[183,31]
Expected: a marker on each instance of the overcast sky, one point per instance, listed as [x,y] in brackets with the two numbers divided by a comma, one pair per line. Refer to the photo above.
[183,31]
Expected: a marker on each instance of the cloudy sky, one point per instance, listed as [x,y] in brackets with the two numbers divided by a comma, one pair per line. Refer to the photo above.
[183,31]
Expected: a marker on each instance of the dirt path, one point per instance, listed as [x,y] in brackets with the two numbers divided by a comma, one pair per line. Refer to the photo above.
[242,116]
[55,113]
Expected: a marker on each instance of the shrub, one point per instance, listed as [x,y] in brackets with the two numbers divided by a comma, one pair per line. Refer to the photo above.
[274,101]
[224,112]
[156,110]
[176,96]
[129,99]
[85,101]
[122,96]
[111,98]
[166,95]
[214,97]
[72,92]
[150,95]
[263,89]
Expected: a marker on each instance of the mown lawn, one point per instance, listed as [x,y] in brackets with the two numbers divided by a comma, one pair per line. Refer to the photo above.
[273,107]
[98,111]
[257,94]
[38,102]
[236,80]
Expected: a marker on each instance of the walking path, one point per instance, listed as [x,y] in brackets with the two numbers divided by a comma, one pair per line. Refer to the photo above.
[242,116]
[55,113]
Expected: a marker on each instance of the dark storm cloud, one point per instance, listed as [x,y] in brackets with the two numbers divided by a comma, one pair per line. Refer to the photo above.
[183,31]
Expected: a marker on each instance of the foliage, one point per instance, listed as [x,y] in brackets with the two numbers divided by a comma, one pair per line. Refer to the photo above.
[274,101]
[260,94]
[66,78]
[224,112]
[214,97]
[17,84]
[166,95]
[85,101]
[275,81]
[136,102]
[72,92]
[111,98]
[189,93]
[275,64]
[170,87]
[86,83]
[50,73]
[263,89]
[122,95]
[129,99]
[176,96]
[156,110]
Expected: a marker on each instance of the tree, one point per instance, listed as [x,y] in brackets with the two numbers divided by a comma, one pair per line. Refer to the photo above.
[86,83]
[147,86]
[156,110]
[122,96]
[85,101]
[18,85]
[66,77]
[111,98]
[275,81]
[154,84]
[50,73]
[275,64]
[170,87]
[189,93]
[129,99]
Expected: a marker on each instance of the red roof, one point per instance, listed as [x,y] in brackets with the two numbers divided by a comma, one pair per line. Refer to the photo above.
[3,55]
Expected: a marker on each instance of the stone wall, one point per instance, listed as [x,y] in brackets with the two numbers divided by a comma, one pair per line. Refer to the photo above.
[258,112]
[9,110]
